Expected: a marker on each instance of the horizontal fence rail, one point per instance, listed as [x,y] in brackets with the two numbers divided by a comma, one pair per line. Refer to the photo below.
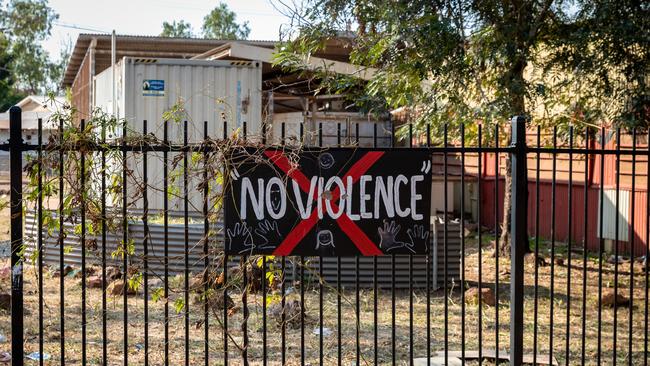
[117,251]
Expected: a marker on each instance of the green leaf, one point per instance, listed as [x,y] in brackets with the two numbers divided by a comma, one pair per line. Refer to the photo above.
[157,294]
[179,305]
[135,281]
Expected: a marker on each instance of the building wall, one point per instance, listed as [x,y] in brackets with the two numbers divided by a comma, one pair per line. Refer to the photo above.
[81,89]
[636,214]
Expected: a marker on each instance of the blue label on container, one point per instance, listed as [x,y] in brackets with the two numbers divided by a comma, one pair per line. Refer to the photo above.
[153,87]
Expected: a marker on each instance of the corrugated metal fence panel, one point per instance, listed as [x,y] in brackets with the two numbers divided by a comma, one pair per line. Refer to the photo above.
[452,251]
[176,246]
[176,249]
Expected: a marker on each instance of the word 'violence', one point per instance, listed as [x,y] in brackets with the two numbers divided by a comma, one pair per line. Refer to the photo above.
[374,197]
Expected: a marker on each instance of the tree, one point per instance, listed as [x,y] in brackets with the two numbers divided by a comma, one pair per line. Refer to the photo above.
[56,70]
[467,62]
[25,23]
[8,95]
[221,24]
[181,29]
[608,43]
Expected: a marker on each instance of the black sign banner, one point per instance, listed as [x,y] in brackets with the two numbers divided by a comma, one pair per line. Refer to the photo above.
[328,202]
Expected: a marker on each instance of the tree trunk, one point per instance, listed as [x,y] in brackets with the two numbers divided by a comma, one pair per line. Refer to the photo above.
[504,239]
[516,91]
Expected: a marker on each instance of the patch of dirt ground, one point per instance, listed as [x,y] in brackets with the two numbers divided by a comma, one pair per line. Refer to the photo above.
[551,301]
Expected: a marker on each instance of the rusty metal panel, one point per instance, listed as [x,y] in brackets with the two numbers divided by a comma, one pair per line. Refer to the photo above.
[81,89]
[641,222]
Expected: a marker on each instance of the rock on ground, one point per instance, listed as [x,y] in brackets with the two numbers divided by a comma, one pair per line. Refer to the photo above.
[486,295]
[116,288]
[610,298]
[5,301]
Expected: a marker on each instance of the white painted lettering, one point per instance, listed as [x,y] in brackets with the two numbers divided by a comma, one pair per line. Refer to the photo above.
[398,209]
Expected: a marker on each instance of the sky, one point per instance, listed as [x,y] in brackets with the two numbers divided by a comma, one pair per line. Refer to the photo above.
[145,17]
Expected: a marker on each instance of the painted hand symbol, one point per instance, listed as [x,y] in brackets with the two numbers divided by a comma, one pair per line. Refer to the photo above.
[269,234]
[240,233]
[419,238]
[387,236]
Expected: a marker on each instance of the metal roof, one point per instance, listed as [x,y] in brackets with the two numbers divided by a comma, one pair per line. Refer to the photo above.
[240,51]
[140,46]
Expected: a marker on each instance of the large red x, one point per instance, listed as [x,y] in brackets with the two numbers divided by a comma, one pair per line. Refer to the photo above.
[359,238]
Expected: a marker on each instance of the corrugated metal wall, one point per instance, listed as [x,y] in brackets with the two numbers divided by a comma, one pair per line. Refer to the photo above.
[636,230]
[628,229]
[176,247]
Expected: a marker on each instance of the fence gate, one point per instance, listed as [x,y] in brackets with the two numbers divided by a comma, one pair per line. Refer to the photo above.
[121,254]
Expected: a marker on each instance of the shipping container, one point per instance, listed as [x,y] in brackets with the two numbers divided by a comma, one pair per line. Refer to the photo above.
[199,90]
[155,89]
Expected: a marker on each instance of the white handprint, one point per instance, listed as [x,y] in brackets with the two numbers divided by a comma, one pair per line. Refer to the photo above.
[240,234]
[419,238]
[269,234]
[387,236]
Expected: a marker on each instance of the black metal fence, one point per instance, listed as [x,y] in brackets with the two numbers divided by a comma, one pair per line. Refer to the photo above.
[191,304]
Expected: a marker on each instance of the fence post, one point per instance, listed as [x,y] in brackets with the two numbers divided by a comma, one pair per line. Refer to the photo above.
[16,198]
[518,238]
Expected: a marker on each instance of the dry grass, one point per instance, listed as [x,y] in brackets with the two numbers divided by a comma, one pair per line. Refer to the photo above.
[437,330]
[4,222]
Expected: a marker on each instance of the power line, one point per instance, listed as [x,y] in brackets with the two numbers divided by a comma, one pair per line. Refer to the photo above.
[79,27]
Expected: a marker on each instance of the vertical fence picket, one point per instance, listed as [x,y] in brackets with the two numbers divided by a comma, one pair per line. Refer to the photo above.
[462,248]
[320,277]
[536,281]
[125,246]
[226,258]
[375,297]
[16,210]
[338,282]
[392,265]
[646,267]
[497,249]
[104,242]
[145,244]
[411,341]
[61,246]
[206,242]
[166,237]
[356,280]
[445,241]
[583,342]
[553,238]
[82,242]
[519,238]
[601,244]
[630,357]
[429,263]
[283,267]
[302,284]
[569,250]
[480,247]
[40,248]
[616,243]
[186,240]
